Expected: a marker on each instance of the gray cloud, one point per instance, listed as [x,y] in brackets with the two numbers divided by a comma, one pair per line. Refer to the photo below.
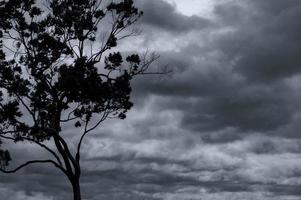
[264,39]
[256,51]
[163,15]
[224,125]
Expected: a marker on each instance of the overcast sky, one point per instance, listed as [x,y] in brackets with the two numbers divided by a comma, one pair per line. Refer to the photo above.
[225,125]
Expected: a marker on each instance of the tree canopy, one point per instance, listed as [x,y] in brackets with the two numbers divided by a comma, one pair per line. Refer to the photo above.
[58,66]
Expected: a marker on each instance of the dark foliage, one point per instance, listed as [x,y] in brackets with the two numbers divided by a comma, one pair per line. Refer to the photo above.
[51,75]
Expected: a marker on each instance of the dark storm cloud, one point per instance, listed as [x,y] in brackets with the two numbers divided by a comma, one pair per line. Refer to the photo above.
[258,48]
[254,110]
[162,15]
[264,46]
[224,125]
[277,7]
[216,100]
[264,39]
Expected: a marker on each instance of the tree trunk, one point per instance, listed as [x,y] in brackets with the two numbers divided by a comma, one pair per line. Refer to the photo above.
[76,189]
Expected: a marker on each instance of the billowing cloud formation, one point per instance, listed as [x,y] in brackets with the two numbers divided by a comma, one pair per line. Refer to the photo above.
[224,125]
[242,75]
[264,38]
[163,15]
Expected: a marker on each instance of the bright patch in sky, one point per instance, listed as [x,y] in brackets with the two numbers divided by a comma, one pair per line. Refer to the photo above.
[193,7]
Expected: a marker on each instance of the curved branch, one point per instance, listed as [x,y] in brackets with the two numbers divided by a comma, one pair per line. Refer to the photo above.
[65,157]
[77,157]
[47,148]
[32,162]
[38,143]
[68,153]
[27,108]
[69,118]
[63,150]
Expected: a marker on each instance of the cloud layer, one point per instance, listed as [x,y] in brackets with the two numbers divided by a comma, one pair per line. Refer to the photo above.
[224,125]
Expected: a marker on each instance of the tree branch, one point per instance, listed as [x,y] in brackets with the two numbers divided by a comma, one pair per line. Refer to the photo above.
[32,162]
[64,155]
[68,153]
[38,143]
[77,157]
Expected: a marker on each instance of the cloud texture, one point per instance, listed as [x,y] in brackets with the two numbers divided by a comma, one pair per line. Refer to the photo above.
[224,125]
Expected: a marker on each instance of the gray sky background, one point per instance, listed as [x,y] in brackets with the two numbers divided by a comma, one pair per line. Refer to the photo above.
[225,125]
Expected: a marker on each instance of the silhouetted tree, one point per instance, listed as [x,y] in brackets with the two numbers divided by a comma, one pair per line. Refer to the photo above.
[54,70]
